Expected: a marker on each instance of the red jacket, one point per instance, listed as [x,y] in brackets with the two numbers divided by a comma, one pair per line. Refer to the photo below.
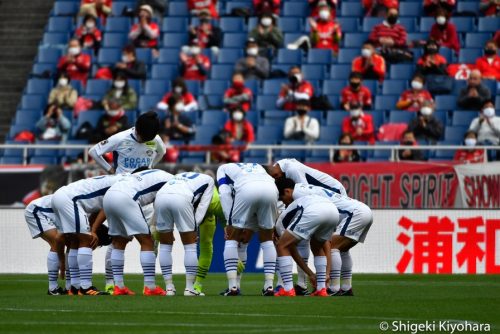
[194,71]
[397,32]
[304,87]
[328,35]
[358,65]
[365,122]
[198,5]
[232,92]
[243,131]
[446,36]
[264,6]
[413,96]
[489,70]
[437,60]
[144,41]
[88,39]
[363,96]
[77,70]
[471,156]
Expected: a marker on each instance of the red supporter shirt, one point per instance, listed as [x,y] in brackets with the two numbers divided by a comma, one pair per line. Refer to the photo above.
[397,32]
[243,132]
[77,70]
[489,69]
[232,92]
[147,43]
[363,96]
[305,87]
[191,71]
[89,39]
[329,35]
[187,98]
[203,37]
[446,37]
[198,5]
[412,95]
[471,156]
[365,122]
[264,6]
[437,59]
[358,65]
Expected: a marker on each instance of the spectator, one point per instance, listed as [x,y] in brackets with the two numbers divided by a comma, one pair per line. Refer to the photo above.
[238,128]
[378,8]
[100,9]
[356,92]
[470,154]
[475,94]
[112,122]
[346,155]
[489,64]
[145,33]
[267,35]
[431,61]
[426,126]
[315,6]
[297,89]
[266,6]
[75,63]
[369,64]
[487,125]
[196,6]
[253,66]
[412,99]
[63,95]
[89,35]
[222,153]
[177,125]
[208,35]
[194,64]
[130,66]
[122,92]
[179,87]
[408,139]
[359,125]
[431,6]
[490,7]
[159,7]
[325,32]
[53,125]
[444,32]
[302,126]
[389,34]
[238,95]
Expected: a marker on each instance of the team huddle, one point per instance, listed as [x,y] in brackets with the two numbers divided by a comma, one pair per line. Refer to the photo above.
[294,209]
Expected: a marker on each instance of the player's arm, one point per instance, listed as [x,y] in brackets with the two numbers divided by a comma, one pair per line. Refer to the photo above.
[205,201]
[97,151]
[98,221]
[160,150]
[300,262]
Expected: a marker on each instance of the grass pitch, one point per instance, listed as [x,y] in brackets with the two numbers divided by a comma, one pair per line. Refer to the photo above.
[25,307]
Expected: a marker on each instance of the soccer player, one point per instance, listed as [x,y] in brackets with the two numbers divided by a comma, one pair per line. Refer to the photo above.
[183,201]
[249,201]
[123,206]
[307,217]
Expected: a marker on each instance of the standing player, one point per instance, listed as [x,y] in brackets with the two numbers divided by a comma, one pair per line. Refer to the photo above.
[183,201]
[123,206]
[249,201]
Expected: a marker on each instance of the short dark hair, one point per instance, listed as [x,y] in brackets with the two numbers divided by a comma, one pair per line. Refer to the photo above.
[487,102]
[283,183]
[147,125]
[356,75]
[129,49]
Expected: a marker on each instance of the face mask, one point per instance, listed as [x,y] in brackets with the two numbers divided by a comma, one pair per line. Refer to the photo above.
[238,85]
[426,111]
[367,53]
[119,84]
[489,112]
[392,19]
[179,107]
[431,50]
[301,112]
[490,52]
[355,85]
[125,58]
[441,20]
[90,25]
[266,21]
[63,82]
[178,90]
[113,113]
[74,50]
[355,113]
[252,51]
[195,50]
[470,142]
[417,85]
[237,116]
[324,15]
[295,78]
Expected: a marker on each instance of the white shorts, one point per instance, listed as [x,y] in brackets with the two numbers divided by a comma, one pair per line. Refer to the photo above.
[174,209]
[124,215]
[355,225]
[316,221]
[255,207]
[38,222]
[70,216]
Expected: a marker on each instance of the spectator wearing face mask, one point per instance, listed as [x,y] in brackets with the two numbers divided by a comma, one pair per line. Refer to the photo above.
[130,66]
[389,34]
[297,89]
[359,125]
[315,7]
[113,121]
[53,125]
[196,6]
[177,125]
[302,126]
[475,94]
[431,62]
[426,126]
[238,96]
[267,36]
[145,33]
[325,32]
[369,64]
[490,8]
[179,87]
[122,92]
[470,154]
[431,6]
[75,63]
[253,66]
[266,6]
[100,9]
[238,128]
[408,139]
[89,35]
[378,8]
[194,64]
[489,64]
[63,95]
[487,125]
[444,32]
[208,35]
[346,155]
[413,99]
[356,92]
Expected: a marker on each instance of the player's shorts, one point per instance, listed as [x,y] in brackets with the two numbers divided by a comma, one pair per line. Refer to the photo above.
[149,213]
[317,221]
[70,216]
[38,222]
[255,207]
[124,215]
[356,224]
[175,209]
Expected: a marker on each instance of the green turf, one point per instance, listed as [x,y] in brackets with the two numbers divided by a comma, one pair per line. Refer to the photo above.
[25,308]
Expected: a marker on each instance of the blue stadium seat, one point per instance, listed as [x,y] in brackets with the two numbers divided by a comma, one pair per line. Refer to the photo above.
[492,85]
[66,8]
[488,24]
[402,71]
[331,87]
[109,56]
[463,117]
[147,102]
[463,24]
[386,102]
[175,39]
[468,6]
[314,72]
[320,56]
[401,116]
[97,87]
[55,38]
[292,57]
[145,55]
[271,134]
[49,55]
[178,8]
[446,102]
[334,101]
[442,116]
[39,86]
[91,116]
[290,24]
[291,37]
[355,39]
[221,71]
[232,24]
[27,117]
[351,9]
[161,71]
[15,129]
[40,68]
[469,56]
[454,134]
[169,56]
[204,133]
[300,9]
[214,117]
[413,9]
[117,24]
[335,118]
[7,160]
[426,23]
[33,102]
[346,56]
[476,40]
[214,101]
[213,87]
[115,40]
[266,102]
[194,160]
[394,87]
[273,86]
[234,40]
[43,161]
[438,155]
[348,24]
[370,22]
[157,87]
[378,117]
[275,117]
[340,71]
[229,56]
[118,6]
[447,53]
[174,24]
[60,24]
[71,154]
[230,5]
[330,134]
[253,117]
[193,86]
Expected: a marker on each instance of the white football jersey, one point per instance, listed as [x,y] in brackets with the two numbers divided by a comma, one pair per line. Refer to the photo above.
[128,153]
[301,173]
[142,186]
[43,205]
[199,186]
[343,203]
[237,175]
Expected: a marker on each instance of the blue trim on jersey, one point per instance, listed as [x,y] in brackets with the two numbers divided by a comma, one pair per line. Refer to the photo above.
[37,219]
[230,220]
[148,172]
[289,216]
[133,137]
[75,199]
[299,217]
[225,180]
[197,192]
[349,217]
[153,188]
[311,180]
[143,216]
[115,160]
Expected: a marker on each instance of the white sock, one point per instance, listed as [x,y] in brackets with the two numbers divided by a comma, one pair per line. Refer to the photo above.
[320,265]
[85,266]
[269,255]
[231,262]
[117,262]
[109,266]
[303,249]
[286,264]
[191,264]
[74,272]
[52,269]
[242,256]
[335,270]
[148,261]
[165,257]
[346,271]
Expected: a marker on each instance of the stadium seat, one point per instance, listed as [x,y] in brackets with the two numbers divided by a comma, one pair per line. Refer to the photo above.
[231,5]
[117,7]
[468,6]
[161,71]
[401,116]
[15,129]
[394,87]
[145,55]
[271,134]
[221,71]
[275,117]
[43,160]
[147,102]
[290,24]
[214,117]
[386,102]
[214,101]
[488,24]
[417,36]
[454,134]
[33,102]
[156,87]
[351,9]
[266,102]
[463,24]
[354,39]
[426,23]
[109,56]
[331,87]
[412,9]
[169,56]
[463,117]
[446,102]
[442,116]
[175,39]
[273,86]
[174,24]
[443,155]
[39,86]
[178,8]
[320,56]
[97,87]
[49,55]
[476,40]
[370,22]
[402,71]
[9,160]
[447,53]
[60,24]
[204,133]
[292,57]
[43,68]
[335,118]
[346,56]
[378,117]
[55,38]
[300,9]
[334,101]
[194,87]
[229,56]
[215,87]
[313,72]
[469,56]
[114,40]
[329,134]
[66,8]
[348,24]
[340,71]
[27,117]
[232,24]
[234,40]
[117,24]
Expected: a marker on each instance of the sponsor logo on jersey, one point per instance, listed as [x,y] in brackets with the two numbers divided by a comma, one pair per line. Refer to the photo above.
[149,153]
[104,142]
